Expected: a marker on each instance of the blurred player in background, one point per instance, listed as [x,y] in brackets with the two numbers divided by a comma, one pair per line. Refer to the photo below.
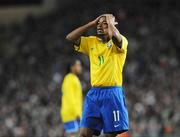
[105,107]
[71,109]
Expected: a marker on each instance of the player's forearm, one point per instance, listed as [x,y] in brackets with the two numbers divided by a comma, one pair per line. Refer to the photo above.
[116,36]
[112,30]
[77,33]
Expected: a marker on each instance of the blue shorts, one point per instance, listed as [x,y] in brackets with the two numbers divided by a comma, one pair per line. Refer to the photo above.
[105,109]
[72,126]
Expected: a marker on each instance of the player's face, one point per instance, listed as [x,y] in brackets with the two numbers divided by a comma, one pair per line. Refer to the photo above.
[77,67]
[102,26]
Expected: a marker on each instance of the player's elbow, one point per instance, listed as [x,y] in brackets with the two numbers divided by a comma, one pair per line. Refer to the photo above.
[68,37]
[71,38]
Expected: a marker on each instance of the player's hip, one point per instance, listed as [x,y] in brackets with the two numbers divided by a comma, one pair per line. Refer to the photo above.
[105,88]
[106,93]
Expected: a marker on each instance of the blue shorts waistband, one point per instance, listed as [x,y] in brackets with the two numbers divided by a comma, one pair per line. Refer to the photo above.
[107,87]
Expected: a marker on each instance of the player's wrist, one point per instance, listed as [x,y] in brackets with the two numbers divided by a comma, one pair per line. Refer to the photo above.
[115,31]
[111,32]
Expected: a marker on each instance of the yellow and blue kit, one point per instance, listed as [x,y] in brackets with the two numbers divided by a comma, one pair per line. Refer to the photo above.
[105,106]
[71,107]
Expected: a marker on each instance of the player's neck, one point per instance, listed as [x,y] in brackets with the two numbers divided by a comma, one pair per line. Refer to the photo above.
[104,39]
[74,73]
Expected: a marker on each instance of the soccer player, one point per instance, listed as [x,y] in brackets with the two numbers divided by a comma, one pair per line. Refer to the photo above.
[105,107]
[71,108]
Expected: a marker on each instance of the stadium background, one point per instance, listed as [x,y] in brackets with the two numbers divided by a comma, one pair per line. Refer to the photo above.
[34,53]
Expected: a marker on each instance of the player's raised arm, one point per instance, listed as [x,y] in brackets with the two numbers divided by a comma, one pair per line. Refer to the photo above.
[75,35]
[113,31]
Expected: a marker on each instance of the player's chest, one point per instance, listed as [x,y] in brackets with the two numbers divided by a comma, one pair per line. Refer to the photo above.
[101,49]
[100,54]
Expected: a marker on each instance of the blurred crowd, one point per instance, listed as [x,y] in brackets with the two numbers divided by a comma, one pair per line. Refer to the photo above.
[34,54]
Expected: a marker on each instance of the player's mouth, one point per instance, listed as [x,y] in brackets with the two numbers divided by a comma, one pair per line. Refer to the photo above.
[100,31]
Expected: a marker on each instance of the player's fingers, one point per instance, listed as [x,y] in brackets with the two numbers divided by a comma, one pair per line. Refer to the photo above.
[111,17]
[112,20]
[107,18]
[98,17]
[115,23]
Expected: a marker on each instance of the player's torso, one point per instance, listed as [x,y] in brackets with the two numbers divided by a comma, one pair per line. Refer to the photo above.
[106,64]
[71,86]
[71,92]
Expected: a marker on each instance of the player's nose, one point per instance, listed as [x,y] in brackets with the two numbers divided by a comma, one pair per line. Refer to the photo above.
[99,27]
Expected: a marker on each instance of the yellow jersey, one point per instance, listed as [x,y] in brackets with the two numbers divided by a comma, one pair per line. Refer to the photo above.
[106,60]
[71,106]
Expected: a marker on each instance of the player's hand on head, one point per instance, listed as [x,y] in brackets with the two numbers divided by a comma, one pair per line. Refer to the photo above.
[95,21]
[111,19]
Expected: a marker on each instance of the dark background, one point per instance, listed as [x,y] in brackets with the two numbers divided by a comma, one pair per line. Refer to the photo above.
[19,2]
[34,55]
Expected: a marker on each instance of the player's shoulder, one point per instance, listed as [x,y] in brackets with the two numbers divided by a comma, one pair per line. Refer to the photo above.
[70,76]
[91,37]
[124,39]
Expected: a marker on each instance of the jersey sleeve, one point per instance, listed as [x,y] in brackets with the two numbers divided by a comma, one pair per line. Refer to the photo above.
[124,45]
[84,45]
